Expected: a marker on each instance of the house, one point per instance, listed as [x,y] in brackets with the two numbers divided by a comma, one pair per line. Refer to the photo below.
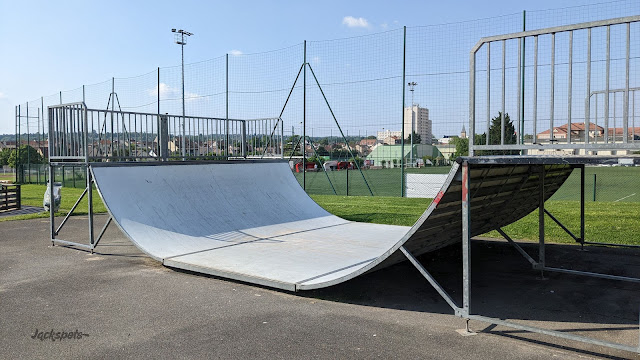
[577,132]
[391,155]
[369,142]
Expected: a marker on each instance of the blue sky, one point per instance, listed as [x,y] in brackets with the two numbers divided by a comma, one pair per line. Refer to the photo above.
[48,46]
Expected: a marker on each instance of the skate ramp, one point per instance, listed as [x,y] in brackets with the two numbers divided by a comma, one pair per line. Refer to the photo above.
[251,221]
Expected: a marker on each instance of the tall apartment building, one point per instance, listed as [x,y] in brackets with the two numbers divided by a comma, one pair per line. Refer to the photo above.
[419,116]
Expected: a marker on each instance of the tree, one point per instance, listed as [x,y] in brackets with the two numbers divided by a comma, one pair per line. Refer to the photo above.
[384,162]
[323,141]
[4,156]
[462,145]
[495,130]
[317,160]
[495,135]
[290,144]
[371,137]
[416,138]
[27,155]
[321,151]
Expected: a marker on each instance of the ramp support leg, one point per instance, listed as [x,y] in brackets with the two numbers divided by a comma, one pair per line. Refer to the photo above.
[466,241]
[582,177]
[90,206]
[541,248]
[52,219]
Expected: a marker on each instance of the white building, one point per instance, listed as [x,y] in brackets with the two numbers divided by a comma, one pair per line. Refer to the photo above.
[386,134]
[416,119]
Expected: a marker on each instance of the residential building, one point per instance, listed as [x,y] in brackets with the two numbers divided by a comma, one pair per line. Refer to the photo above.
[577,132]
[389,153]
[385,134]
[416,118]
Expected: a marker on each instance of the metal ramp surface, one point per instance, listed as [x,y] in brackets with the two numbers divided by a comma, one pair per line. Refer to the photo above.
[251,220]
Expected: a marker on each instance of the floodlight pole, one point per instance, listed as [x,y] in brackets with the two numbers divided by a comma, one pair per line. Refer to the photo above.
[180,41]
[412,85]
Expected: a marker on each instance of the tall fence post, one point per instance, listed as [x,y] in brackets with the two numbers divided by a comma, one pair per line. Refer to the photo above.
[404,63]
[28,149]
[43,130]
[163,141]
[226,143]
[304,119]
[18,141]
[522,67]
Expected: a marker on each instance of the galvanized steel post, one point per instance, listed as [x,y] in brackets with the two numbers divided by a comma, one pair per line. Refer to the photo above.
[504,66]
[404,60]
[85,124]
[51,180]
[226,143]
[304,119]
[582,193]
[17,141]
[625,109]
[606,94]
[466,241]
[587,110]
[541,252]
[522,65]
[472,100]
[28,150]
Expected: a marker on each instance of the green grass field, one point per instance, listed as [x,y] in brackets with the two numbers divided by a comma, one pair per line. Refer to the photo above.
[383,182]
[612,183]
[9,177]
[33,195]
[605,221]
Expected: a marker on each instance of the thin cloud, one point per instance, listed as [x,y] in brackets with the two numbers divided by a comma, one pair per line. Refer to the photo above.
[165,90]
[168,92]
[235,52]
[353,22]
[2,95]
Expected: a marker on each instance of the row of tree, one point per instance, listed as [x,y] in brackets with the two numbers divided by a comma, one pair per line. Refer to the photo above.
[26,155]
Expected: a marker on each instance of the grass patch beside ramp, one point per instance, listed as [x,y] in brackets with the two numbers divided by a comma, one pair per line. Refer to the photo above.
[617,222]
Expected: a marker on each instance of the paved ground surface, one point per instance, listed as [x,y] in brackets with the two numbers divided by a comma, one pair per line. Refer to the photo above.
[23,211]
[131,306]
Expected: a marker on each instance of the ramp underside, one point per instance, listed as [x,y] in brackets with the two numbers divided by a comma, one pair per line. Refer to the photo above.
[251,221]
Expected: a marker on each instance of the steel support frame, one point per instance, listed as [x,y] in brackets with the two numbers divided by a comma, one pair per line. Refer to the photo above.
[88,192]
[464,311]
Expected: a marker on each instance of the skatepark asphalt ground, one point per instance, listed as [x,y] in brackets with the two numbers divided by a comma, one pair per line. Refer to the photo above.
[130,306]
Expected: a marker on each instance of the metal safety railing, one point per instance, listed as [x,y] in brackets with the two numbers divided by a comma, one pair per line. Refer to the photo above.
[587,80]
[78,133]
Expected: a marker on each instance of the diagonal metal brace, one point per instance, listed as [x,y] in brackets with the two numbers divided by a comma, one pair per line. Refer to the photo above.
[520,249]
[104,228]
[432,281]
[71,211]
[577,239]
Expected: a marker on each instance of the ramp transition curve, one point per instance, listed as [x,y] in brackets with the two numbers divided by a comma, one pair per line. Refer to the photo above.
[251,221]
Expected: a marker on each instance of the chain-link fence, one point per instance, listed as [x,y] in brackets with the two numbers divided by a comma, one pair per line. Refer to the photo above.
[352,103]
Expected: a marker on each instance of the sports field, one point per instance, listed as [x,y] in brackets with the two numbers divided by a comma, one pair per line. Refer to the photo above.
[620,184]
[606,221]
